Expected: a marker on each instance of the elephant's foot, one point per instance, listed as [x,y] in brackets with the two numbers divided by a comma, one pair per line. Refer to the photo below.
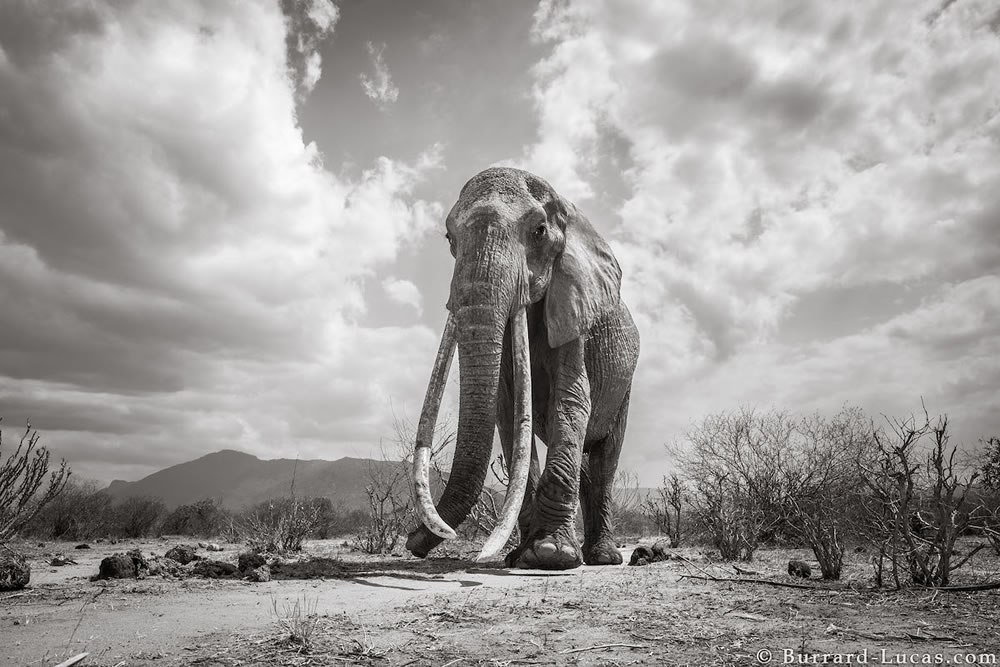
[559,551]
[420,541]
[602,552]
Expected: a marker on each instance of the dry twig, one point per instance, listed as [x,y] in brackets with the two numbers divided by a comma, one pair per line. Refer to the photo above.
[601,646]
[766,582]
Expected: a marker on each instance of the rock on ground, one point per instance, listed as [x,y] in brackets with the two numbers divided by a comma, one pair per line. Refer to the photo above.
[14,572]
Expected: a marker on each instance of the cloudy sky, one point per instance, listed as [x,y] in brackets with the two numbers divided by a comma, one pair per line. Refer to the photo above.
[221,223]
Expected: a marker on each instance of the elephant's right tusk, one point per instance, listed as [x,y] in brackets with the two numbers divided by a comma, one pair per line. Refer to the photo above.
[423,501]
[520,457]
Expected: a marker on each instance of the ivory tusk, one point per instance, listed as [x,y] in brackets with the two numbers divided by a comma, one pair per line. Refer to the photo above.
[424,503]
[521,455]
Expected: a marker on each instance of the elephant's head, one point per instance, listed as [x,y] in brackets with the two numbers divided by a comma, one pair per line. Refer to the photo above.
[515,242]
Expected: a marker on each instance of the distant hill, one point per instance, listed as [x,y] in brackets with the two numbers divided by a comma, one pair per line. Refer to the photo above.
[238,479]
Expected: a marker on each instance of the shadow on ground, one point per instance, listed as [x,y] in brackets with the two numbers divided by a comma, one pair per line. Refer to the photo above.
[332,568]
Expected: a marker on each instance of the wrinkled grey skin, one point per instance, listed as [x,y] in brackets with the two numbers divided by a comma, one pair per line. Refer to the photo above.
[517,242]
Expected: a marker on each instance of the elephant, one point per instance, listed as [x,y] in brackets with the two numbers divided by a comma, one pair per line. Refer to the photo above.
[547,351]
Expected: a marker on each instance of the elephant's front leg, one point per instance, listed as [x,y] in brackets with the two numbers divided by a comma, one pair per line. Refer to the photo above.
[551,542]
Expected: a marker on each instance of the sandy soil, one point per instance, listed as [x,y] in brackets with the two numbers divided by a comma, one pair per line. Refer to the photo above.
[403,611]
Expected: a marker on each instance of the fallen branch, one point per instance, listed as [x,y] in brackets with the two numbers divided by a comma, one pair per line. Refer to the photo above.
[967,587]
[740,570]
[15,595]
[884,636]
[766,582]
[74,660]
[601,646]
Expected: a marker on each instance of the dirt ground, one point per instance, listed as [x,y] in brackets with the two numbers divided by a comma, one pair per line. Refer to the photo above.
[449,611]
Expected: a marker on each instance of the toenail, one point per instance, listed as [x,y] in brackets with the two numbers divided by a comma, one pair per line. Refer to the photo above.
[545,549]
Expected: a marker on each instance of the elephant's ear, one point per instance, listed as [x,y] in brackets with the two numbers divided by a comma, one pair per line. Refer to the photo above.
[586,278]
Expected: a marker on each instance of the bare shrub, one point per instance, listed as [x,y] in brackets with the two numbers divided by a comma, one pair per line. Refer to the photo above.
[734,463]
[390,503]
[822,479]
[390,510]
[279,525]
[732,519]
[82,511]
[205,518]
[662,508]
[987,518]
[23,488]
[137,516]
[917,502]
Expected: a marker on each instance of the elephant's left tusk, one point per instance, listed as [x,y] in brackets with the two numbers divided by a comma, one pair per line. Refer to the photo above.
[520,457]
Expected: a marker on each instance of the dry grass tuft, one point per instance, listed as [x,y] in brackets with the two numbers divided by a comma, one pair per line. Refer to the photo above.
[298,619]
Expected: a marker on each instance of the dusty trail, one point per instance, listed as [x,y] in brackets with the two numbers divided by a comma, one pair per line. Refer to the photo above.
[401,611]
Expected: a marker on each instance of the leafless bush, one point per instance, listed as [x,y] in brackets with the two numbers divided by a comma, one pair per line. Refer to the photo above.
[733,521]
[822,480]
[205,518]
[22,477]
[390,509]
[734,464]
[662,508]
[279,525]
[138,516]
[82,511]
[987,518]
[917,502]
[390,503]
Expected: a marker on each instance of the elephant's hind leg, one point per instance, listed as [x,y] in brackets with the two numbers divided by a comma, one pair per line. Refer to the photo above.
[596,487]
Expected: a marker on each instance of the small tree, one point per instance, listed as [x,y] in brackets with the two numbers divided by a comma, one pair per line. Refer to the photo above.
[734,463]
[917,503]
[822,479]
[390,502]
[81,511]
[205,518]
[662,508]
[22,478]
[279,525]
[988,515]
[137,516]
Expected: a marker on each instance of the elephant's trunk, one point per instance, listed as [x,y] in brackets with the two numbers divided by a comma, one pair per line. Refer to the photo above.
[485,292]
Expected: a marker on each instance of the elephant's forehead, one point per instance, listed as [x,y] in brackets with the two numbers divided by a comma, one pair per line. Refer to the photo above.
[503,190]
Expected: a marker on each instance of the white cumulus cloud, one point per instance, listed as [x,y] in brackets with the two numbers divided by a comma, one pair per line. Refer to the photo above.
[403,292]
[178,270]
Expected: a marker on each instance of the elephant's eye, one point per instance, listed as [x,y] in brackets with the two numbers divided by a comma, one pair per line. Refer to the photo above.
[539,231]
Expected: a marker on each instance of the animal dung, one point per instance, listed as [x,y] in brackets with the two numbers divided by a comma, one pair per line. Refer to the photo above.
[798,568]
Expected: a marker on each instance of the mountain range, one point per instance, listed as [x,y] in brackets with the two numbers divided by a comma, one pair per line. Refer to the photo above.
[237,479]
